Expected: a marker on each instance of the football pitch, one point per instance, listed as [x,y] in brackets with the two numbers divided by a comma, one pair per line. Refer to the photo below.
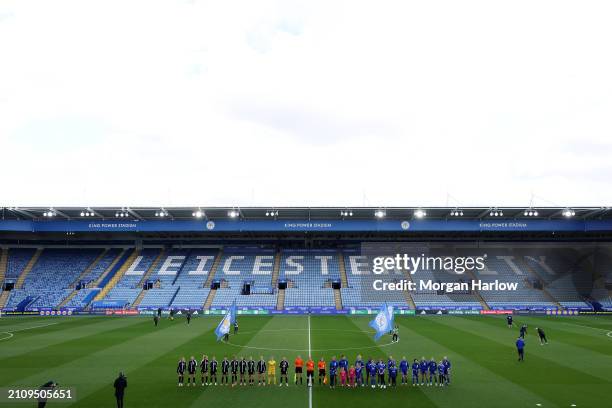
[86,354]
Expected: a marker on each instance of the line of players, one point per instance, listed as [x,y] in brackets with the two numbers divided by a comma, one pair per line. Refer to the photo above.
[374,373]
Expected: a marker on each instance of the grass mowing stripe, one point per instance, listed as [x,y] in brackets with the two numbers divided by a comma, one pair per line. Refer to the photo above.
[262,332]
[18,368]
[352,332]
[154,383]
[573,357]
[552,381]
[588,339]
[470,381]
[91,373]
[29,341]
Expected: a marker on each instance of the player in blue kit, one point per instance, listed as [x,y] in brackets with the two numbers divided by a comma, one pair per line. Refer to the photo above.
[415,372]
[392,376]
[404,370]
[441,376]
[368,367]
[380,369]
[343,363]
[333,371]
[390,362]
[447,371]
[433,371]
[520,348]
[423,366]
[359,374]
[359,366]
[372,373]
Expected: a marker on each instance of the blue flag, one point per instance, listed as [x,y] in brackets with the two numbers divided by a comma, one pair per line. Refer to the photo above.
[383,322]
[225,325]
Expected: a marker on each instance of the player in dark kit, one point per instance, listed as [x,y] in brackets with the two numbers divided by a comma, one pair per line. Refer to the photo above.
[236,327]
[192,367]
[509,321]
[188,315]
[251,369]
[243,369]
[542,336]
[225,366]
[234,365]
[156,320]
[213,370]
[284,368]
[261,371]
[520,348]
[204,370]
[523,331]
[180,370]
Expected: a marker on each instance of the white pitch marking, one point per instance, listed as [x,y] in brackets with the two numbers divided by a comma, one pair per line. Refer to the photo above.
[311,384]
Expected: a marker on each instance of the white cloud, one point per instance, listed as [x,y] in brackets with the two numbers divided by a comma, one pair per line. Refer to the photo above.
[305,102]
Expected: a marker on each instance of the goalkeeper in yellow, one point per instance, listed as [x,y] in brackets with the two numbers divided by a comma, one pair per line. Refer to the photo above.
[272,371]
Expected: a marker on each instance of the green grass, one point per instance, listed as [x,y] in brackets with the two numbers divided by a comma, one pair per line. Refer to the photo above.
[86,353]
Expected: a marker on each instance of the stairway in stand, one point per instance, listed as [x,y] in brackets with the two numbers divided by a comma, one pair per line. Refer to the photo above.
[280,300]
[524,265]
[407,294]
[483,302]
[338,299]
[3,264]
[4,296]
[145,277]
[111,284]
[343,278]
[28,268]
[211,275]
[209,299]
[276,269]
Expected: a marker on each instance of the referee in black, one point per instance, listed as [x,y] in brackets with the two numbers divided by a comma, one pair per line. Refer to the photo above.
[120,386]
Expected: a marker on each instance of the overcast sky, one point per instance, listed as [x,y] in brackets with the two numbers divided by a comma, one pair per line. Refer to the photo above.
[272,103]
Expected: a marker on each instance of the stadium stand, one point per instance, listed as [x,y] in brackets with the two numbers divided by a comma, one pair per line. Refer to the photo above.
[48,282]
[192,278]
[245,265]
[182,278]
[358,290]
[504,267]
[309,274]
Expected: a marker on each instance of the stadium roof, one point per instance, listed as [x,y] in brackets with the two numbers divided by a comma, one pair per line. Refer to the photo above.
[303,213]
